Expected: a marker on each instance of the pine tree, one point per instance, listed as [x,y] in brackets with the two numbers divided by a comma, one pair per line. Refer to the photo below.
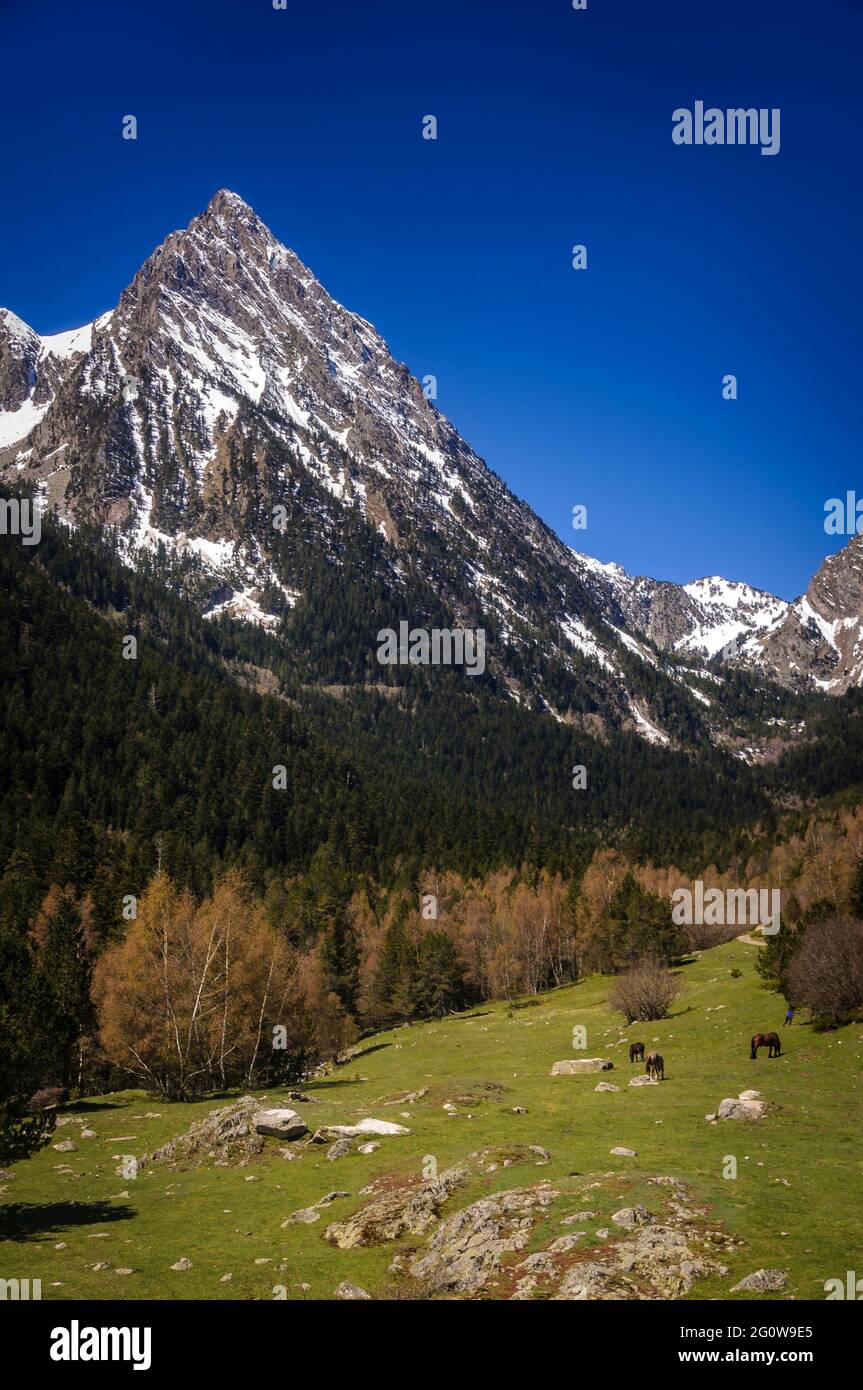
[439,986]
[65,964]
[640,925]
[25,1049]
[340,961]
[391,994]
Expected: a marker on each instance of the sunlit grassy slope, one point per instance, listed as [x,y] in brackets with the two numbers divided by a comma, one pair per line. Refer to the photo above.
[797,1201]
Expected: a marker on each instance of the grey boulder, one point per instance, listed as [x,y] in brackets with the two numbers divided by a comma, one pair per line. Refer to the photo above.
[581,1066]
[762,1281]
[280,1124]
[351,1291]
[736,1109]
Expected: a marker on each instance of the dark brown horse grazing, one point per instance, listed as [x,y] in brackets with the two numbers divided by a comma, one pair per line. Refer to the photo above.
[636,1050]
[655,1066]
[768,1040]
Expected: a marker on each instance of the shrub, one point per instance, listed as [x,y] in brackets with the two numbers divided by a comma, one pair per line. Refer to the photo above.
[644,993]
[49,1097]
[826,972]
[703,936]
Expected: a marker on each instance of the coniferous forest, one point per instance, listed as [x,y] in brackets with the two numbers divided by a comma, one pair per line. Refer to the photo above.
[211,763]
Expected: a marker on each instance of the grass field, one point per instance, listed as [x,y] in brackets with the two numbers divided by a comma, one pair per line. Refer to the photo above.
[797,1200]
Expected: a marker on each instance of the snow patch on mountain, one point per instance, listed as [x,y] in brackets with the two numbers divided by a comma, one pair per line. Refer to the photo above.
[646,728]
[731,610]
[584,641]
[15,425]
[65,345]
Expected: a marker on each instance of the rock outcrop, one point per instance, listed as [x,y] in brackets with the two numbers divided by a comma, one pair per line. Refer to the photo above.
[469,1246]
[392,1214]
[230,1134]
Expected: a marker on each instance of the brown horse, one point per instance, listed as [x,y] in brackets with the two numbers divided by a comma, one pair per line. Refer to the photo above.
[655,1066]
[768,1040]
[636,1051]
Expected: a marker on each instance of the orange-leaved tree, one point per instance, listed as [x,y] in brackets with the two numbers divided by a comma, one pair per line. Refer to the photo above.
[197,998]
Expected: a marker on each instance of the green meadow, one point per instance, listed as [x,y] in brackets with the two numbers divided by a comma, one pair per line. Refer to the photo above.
[796,1201]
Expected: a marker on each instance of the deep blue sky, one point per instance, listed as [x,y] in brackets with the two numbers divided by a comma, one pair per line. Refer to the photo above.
[600,387]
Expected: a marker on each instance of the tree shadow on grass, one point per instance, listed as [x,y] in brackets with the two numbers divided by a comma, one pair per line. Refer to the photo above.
[89,1107]
[25,1221]
[331,1083]
[669,1017]
[364,1052]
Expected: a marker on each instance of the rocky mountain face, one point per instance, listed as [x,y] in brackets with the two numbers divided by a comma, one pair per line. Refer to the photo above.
[816,642]
[19,352]
[818,639]
[704,619]
[229,409]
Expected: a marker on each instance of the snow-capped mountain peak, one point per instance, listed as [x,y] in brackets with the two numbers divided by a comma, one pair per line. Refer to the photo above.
[228,389]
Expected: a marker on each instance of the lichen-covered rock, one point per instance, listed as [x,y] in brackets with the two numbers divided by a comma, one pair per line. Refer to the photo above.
[762,1281]
[469,1246]
[407,1211]
[304,1217]
[351,1291]
[590,1280]
[662,1256]
[539,1263]
[565,1243]
[523,1289]
[632,1216]
[659,1262]
[226,1134]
